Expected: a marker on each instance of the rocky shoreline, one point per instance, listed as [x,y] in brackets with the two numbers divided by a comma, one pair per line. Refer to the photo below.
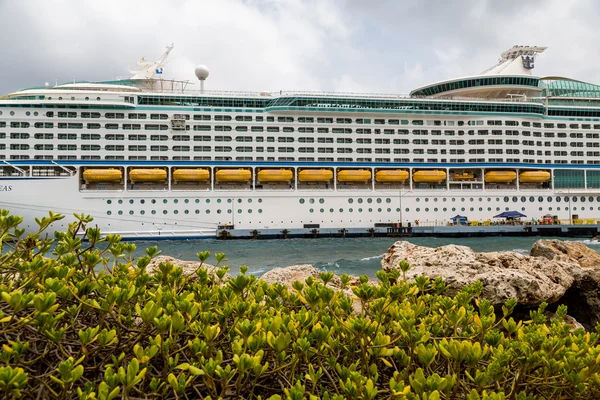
[556,272]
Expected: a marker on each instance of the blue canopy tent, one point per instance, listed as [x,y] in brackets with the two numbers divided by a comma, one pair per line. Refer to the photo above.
[459,220]
[510,215]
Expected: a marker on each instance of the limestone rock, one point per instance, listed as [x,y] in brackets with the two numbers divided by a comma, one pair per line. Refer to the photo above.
[287,276]
[586,257]
[189,267]
[504,275]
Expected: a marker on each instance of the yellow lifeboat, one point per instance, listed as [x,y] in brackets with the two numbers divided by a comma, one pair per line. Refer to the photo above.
[429,176]
[500,176]
[275,175]
[534,176]
[391,175]
[147,175]
[315,175]
[354,175]
[233,175]
[103,175]
[191,175]
[465,176]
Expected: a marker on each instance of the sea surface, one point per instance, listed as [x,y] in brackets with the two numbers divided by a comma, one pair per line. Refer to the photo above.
[353,256]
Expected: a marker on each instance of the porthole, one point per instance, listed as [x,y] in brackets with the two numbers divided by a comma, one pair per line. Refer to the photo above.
[489,199]
[218,201]
[418,209]
[142,201]
[407,209]
[321,201]
[453,209]
[197,201]
[574,199]
[165,201]
[229,201]
[130,212]
[360,201]
[378,201]
[35,114]
[480,209]
[444,199]
[350,201]
[165,211]
[435,199]
[108,201]
[370,200]
[389,210]
[239,200]
[301,201]
[175,201]
[186,201]
[322,210]
[524,199]
[590,199]
[549,199]
[522,208]
[541,199]
[515,199]
[558,199]
[229,211]
[426,209]
[370,210]
[208,211]
[582,208]
[379,210]
[331,210]
[426,199]
[471,199]
[360,210]
[153,201]
[60,98]
[12,113]
[444,209]
[108,212]
[28,113]
[176,212]
[186,212]
[239,211]
[350,210]
[153,212]
[538,209]
[462,209]
[120,201]
[557,208]
[311,210]
[582,199]
[249,211]
[130,201]
[341,210]
[489,208]
[120,212]
[549,208]
[98,98]
[397,209]
[207,201]
[418,199]
[462,199]
[197,211]
[87,98]
[260,201]
[388,201]
[497,208]
[311,201]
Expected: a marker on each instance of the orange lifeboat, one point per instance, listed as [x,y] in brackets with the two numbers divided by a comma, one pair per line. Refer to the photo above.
[275,175]
[147,175]
[315,175]
[534,176]
[191,175]
[391,175]
[429,176]
[102,175]
[354,175]
[500,176]
[233,175]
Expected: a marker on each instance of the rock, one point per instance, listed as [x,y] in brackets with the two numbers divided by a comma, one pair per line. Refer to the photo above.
[585,257]
[505,275]
[583,297]
[189,267]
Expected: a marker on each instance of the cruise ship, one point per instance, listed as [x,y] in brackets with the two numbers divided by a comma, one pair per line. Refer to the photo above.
[148,158]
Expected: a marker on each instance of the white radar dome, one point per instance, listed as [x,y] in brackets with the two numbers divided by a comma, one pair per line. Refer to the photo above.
[201,72]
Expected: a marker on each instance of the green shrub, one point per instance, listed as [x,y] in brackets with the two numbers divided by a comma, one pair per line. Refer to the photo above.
[90,323]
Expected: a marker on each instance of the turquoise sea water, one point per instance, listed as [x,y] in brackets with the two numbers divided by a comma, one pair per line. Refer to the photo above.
[354,256]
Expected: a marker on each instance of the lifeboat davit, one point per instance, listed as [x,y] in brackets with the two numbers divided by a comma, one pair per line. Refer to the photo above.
[103,175]
[315,175]
[147,175]
[191,175]
[354,175]
[391,175]
[500,176]
[429,176]
[275,175]
[465,176]
[233,175]
[534,176]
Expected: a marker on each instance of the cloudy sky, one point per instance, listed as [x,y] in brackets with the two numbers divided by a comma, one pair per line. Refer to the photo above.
[384,46]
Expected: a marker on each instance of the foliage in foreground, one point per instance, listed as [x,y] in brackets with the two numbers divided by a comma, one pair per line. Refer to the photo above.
[91,323]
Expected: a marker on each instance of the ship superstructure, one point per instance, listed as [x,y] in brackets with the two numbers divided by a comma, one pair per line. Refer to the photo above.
[147,157]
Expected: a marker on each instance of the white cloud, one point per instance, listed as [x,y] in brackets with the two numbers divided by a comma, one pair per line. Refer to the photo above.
[346,45]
